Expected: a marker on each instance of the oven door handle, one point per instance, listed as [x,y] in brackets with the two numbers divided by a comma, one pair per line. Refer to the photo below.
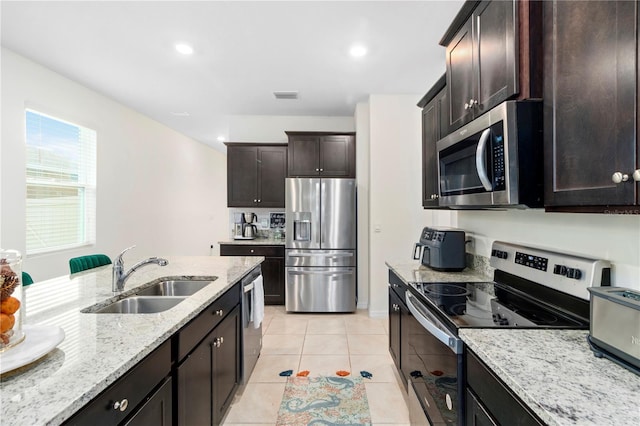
[433,325]
[480,154]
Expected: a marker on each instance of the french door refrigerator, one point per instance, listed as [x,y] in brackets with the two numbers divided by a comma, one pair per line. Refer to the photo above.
[320,255]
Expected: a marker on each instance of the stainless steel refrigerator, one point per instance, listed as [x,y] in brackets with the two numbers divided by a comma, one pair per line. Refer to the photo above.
[320,262]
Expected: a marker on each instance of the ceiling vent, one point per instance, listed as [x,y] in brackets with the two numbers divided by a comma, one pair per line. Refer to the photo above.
[286,95]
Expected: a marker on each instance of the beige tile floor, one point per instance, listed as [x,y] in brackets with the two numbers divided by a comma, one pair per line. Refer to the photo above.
[322,344]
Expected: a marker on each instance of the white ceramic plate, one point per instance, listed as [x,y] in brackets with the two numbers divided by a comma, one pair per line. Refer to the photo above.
[39,340]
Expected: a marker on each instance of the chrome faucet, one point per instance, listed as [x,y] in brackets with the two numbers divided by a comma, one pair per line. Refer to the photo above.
[119,276]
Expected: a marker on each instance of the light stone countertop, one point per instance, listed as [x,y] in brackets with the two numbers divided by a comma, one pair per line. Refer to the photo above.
[557,376]
[99,348]
[552,371]
[257,241]
[415,271]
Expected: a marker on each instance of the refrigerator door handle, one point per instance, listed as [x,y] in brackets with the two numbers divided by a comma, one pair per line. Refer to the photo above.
[310,272]
[320,254]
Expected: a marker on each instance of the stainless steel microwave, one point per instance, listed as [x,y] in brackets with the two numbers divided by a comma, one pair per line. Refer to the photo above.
[494,161]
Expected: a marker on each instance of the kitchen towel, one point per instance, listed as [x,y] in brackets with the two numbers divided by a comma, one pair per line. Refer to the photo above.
[258,302]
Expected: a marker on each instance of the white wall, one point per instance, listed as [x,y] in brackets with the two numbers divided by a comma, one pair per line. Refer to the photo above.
[271,128]
[396,216]
[363,193]
[157,189]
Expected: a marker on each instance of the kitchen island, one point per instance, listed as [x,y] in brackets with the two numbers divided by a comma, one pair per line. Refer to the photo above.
[557,376]
[100,348]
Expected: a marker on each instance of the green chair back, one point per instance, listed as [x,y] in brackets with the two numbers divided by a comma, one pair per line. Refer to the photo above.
[26,279]
[82,263]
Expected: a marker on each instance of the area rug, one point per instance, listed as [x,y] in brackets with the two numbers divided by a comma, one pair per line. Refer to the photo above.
[323,400]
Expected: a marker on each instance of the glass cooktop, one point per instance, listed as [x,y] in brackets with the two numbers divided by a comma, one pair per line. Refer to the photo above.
[490,304]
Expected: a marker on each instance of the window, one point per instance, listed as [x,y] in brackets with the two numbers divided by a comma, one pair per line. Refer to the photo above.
[61,184]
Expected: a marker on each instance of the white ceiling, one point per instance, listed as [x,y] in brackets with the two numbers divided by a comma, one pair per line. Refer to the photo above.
[244,51]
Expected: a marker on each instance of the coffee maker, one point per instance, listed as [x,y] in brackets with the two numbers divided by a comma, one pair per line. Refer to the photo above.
[245,229]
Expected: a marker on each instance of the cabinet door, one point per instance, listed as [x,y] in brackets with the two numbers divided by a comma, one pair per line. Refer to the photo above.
[337,156]
[157,410]
[304,156]
[476,415]
[495,63]
[431,115]
[394,327]
[273,279]
[590,90]
[242,176]
[460,77]
[195,386]
[225,343]
[272,171]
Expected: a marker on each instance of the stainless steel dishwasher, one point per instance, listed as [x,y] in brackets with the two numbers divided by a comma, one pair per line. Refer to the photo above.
[251,336]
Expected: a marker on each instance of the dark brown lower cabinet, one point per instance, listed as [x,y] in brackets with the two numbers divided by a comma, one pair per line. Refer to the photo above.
[489,401]
[208,377]
[272,267]
[129,395]
[157,410]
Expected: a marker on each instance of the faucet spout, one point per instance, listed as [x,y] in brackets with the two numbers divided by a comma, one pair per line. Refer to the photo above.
[120,276]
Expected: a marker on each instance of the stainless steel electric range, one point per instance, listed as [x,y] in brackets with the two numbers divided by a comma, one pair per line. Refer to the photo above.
[532,288]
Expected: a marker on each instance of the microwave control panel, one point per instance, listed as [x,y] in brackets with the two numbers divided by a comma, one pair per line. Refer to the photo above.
[497,148]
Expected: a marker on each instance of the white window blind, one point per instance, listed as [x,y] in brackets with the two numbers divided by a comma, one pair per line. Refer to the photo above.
[61,184]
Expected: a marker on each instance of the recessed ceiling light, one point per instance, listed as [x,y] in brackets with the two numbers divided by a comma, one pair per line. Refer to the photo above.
[221,139]
[358,51]
[183,48]
[181,114]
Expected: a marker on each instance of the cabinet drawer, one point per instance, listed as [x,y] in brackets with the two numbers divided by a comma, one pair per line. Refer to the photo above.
[133,388]
[192,333]
[251,250]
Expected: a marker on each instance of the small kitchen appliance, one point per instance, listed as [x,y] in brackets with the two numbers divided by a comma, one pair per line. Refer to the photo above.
[245,229]
[495,160]
[441,249]
[615,325]
[532,288]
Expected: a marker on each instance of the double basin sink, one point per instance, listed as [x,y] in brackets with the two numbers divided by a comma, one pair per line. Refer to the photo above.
[152,299]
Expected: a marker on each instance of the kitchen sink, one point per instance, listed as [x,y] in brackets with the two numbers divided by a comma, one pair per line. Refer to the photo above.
[139,305]
[174,288]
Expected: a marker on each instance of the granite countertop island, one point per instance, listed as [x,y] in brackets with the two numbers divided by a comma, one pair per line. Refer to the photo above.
[99,348]
[557,376]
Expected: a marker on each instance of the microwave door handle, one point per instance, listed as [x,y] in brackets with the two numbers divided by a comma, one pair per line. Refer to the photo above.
[480,154]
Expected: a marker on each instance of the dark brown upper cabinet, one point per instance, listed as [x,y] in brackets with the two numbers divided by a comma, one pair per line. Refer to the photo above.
[434,121]
[324,154]
[590,105]
[256,174]
[493,53]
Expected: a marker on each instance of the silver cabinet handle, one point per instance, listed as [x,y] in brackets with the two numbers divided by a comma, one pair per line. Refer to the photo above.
[252,251]
[396,307]
[636,175]
[121,405]
[259,200]
[219,312]
[218,341]
[619,177]
[255,200]
[466,106]
[322,170]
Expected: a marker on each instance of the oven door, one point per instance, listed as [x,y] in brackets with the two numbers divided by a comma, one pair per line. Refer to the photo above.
[432,360]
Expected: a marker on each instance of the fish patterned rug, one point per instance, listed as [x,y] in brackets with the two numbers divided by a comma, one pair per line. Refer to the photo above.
[324,401]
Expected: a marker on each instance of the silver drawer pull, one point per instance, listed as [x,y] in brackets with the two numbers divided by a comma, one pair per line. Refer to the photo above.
[219,312]
[121,405]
